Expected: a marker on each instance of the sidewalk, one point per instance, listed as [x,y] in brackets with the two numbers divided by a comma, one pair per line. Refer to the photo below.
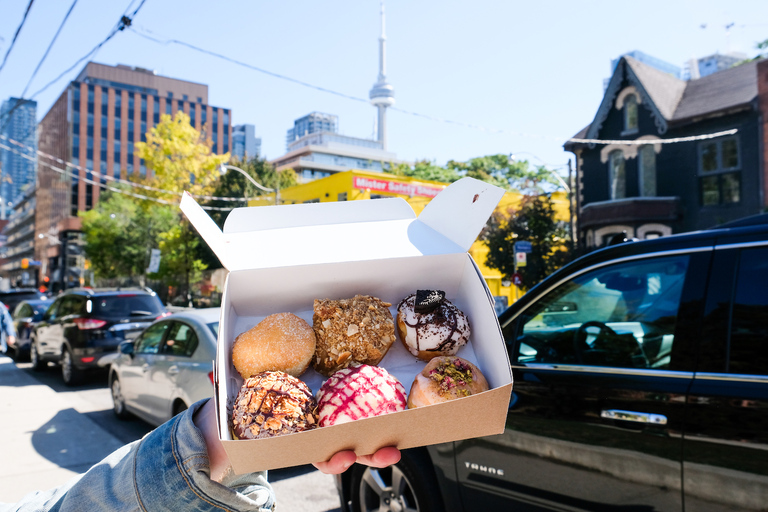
[38,429]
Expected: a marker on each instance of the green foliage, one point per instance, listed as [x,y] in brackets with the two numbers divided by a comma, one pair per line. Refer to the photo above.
[426,170]
[533,222]
[119,233]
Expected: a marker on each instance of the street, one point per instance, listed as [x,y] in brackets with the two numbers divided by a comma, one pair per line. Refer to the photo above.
[51,433]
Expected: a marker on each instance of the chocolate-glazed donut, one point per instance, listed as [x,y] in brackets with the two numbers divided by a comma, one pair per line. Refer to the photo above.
[430,325]
[272,404]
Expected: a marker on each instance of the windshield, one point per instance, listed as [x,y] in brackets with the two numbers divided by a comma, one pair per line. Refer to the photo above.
[124,306]
[214,327]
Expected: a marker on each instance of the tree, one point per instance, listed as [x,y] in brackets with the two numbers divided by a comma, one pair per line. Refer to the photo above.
[533,222]
[119,233]
[179,159]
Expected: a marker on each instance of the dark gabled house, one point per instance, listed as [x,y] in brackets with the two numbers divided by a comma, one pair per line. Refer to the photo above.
[655,189]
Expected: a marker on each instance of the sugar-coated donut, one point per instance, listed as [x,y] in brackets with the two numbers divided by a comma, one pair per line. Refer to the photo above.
[281,342]
[271,404]
[445,378]
[430,325]
[356,392]
[356,330]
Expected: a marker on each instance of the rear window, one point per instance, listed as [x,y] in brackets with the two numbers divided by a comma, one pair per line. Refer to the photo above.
[11,299]
[124,306]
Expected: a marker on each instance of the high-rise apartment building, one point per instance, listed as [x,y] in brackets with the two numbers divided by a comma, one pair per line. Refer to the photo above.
[17,166]
[314,122]
[94,125]
[245,144]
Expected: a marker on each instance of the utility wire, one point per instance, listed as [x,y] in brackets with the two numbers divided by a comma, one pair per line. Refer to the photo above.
[13,41]
[155,39]
[55,36]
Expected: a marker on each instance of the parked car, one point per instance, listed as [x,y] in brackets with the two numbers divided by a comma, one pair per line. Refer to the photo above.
[12,297]
[26,315]
[83,328]
[640,383]
[167,368]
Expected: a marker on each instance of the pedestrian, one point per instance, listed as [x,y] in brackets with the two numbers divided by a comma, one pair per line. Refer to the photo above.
[7,330]
[181,465]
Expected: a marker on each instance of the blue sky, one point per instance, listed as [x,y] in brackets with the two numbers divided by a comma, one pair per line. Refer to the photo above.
[503,76]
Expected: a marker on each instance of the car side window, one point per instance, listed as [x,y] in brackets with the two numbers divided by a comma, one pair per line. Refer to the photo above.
[749,315]
[52,313]
[621,315]
[181,340]
[151,339]
[70,306]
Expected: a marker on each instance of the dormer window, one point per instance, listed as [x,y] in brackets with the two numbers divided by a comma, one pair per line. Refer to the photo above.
[630,114]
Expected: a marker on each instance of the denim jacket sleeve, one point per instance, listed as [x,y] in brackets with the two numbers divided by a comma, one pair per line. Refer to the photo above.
[167,470]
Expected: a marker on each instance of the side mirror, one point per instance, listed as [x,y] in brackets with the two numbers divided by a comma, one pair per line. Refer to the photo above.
[126,348]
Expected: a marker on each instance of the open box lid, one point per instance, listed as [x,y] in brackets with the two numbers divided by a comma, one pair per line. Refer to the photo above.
[303,234]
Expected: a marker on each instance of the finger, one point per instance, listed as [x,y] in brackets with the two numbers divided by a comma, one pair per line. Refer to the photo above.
[382,458]
[339,463]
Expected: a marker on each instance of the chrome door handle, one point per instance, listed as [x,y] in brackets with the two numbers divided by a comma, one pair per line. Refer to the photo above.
[637,417]
[145,367]
[173,370]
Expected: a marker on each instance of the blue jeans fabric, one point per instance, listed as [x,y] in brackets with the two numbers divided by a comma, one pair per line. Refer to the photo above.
[167,470]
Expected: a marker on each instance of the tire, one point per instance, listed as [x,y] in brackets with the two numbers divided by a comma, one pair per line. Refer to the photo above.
[179,408]
[69,373]
[38,364]
[410,485]
[118,400]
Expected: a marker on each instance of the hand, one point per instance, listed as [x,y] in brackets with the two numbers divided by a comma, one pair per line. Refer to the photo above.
[11,340]
[341,461]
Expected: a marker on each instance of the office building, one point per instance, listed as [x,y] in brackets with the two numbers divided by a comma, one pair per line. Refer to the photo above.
[314,122]
[19,243]
[245,144]
[93,126]
[17,166]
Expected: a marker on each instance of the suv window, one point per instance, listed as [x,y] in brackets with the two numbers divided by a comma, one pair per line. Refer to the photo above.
[181,341]
[149,342]
[123,306]
[749,319]
[71,305]
[619,315]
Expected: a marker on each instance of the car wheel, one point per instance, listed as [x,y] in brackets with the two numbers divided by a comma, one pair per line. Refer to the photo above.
[37,364]
[410,485]
[69,373]
[179,407]
[118,400]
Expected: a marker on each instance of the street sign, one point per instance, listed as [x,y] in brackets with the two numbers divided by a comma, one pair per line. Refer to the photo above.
[520,259]
[517,279]
[154,262]
[523,246]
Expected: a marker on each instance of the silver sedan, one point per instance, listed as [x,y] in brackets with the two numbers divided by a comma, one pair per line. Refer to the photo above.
[167,368]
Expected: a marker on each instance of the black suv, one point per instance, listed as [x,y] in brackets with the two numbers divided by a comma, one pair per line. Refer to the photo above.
[82,328]
[11,298]
[640,384]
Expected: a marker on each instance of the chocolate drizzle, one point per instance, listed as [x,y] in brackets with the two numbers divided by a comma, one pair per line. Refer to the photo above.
[443,329]
[428,300]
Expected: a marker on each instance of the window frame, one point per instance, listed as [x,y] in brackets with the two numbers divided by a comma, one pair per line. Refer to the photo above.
[720,174]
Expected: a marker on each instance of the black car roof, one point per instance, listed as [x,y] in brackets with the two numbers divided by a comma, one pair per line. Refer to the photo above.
[743,231]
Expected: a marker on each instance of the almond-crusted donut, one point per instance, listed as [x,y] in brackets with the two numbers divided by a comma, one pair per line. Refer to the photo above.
[281,342]
[445,378]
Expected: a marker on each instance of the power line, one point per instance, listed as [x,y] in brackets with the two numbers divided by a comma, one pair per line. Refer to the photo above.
[13,41]
[55,36]
[403,111]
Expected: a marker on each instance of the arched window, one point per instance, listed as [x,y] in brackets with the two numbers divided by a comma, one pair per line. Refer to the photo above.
[630,113]
[617,176]
[647,174]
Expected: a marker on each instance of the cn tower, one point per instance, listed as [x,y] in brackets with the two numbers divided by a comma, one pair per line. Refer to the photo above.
[382,95]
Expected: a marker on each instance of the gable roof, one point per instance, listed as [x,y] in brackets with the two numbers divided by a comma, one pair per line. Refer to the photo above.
[719,91]
[676,101]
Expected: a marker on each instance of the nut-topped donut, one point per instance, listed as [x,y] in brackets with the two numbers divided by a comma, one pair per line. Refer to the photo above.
[430,325]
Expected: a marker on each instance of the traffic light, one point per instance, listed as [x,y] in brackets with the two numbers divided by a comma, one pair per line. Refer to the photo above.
[25,263]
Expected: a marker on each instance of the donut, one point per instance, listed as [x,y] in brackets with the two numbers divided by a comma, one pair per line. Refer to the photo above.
[430,325]
[281,342]
[271,404]
[357,330]
[356,392]
[445,378]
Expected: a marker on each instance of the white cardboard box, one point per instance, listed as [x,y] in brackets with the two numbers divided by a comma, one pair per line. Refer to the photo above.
[281,258]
